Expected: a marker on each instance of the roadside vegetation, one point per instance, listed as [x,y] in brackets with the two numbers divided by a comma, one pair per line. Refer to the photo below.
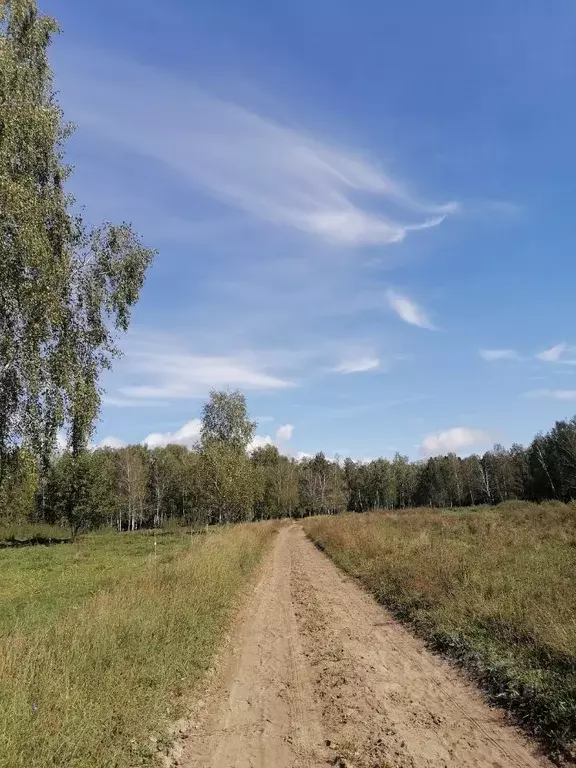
[493,588]
[102,640]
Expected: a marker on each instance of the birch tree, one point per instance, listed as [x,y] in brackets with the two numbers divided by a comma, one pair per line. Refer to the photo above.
[65,290]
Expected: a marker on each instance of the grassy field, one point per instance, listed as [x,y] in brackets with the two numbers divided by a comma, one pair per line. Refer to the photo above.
[495,588]
[101,640]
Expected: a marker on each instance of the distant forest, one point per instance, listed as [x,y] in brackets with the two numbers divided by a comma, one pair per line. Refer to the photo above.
[219,481]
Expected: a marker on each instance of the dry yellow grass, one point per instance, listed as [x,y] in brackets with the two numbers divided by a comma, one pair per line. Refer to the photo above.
[494,587]
[91,677]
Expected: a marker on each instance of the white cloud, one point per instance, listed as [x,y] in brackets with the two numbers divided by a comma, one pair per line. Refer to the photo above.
[499,354]
[358,365]
[284,433]
[259,441]
[408,310]
[270,171]
[172,373]
[188,435]
[184,376]
[553,354]
[554,394]
[557,354]
[452,440]
[111,442]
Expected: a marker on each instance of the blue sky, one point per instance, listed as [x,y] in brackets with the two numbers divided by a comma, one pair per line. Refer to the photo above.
[363,211]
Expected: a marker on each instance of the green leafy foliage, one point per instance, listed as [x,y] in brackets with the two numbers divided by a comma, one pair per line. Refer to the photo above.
[225,420]
[227,483]
[65,289]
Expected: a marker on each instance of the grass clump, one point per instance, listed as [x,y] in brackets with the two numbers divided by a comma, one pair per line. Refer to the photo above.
[100,639]
[494,588]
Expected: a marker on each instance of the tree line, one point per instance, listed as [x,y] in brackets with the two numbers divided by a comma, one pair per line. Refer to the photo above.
[220,481]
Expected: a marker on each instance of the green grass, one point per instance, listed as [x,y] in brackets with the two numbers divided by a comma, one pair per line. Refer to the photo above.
[494,588]
[101,641]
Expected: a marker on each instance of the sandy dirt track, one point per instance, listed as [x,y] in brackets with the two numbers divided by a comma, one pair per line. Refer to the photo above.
[316,674]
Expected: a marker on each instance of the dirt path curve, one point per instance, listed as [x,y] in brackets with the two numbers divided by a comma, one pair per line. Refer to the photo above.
[318,674]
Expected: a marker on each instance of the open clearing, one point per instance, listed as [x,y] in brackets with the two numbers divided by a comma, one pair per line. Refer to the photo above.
[318,673]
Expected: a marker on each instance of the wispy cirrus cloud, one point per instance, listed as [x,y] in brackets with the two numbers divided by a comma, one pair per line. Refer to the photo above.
[552,394]
[161,368]
[358,365]
[124,402]
[408,310]
[176,376]
[499,354]
[453,440]
[246,160]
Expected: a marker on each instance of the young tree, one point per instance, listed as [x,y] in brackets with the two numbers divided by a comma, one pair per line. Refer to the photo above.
[543,469]
[322,486]
[106,471]
[75,488]
[182,491]
[20,486]
[278,487]
[228,478]
[225,419]
[474,480]
[382,484]
[228,483]
[406,479]
[158,480]
[65,290]
[133,463]
[563,440]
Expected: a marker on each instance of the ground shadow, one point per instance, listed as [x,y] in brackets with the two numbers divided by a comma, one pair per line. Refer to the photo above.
[35,541]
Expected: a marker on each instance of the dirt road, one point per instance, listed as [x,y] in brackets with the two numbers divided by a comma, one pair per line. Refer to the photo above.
[318,674]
